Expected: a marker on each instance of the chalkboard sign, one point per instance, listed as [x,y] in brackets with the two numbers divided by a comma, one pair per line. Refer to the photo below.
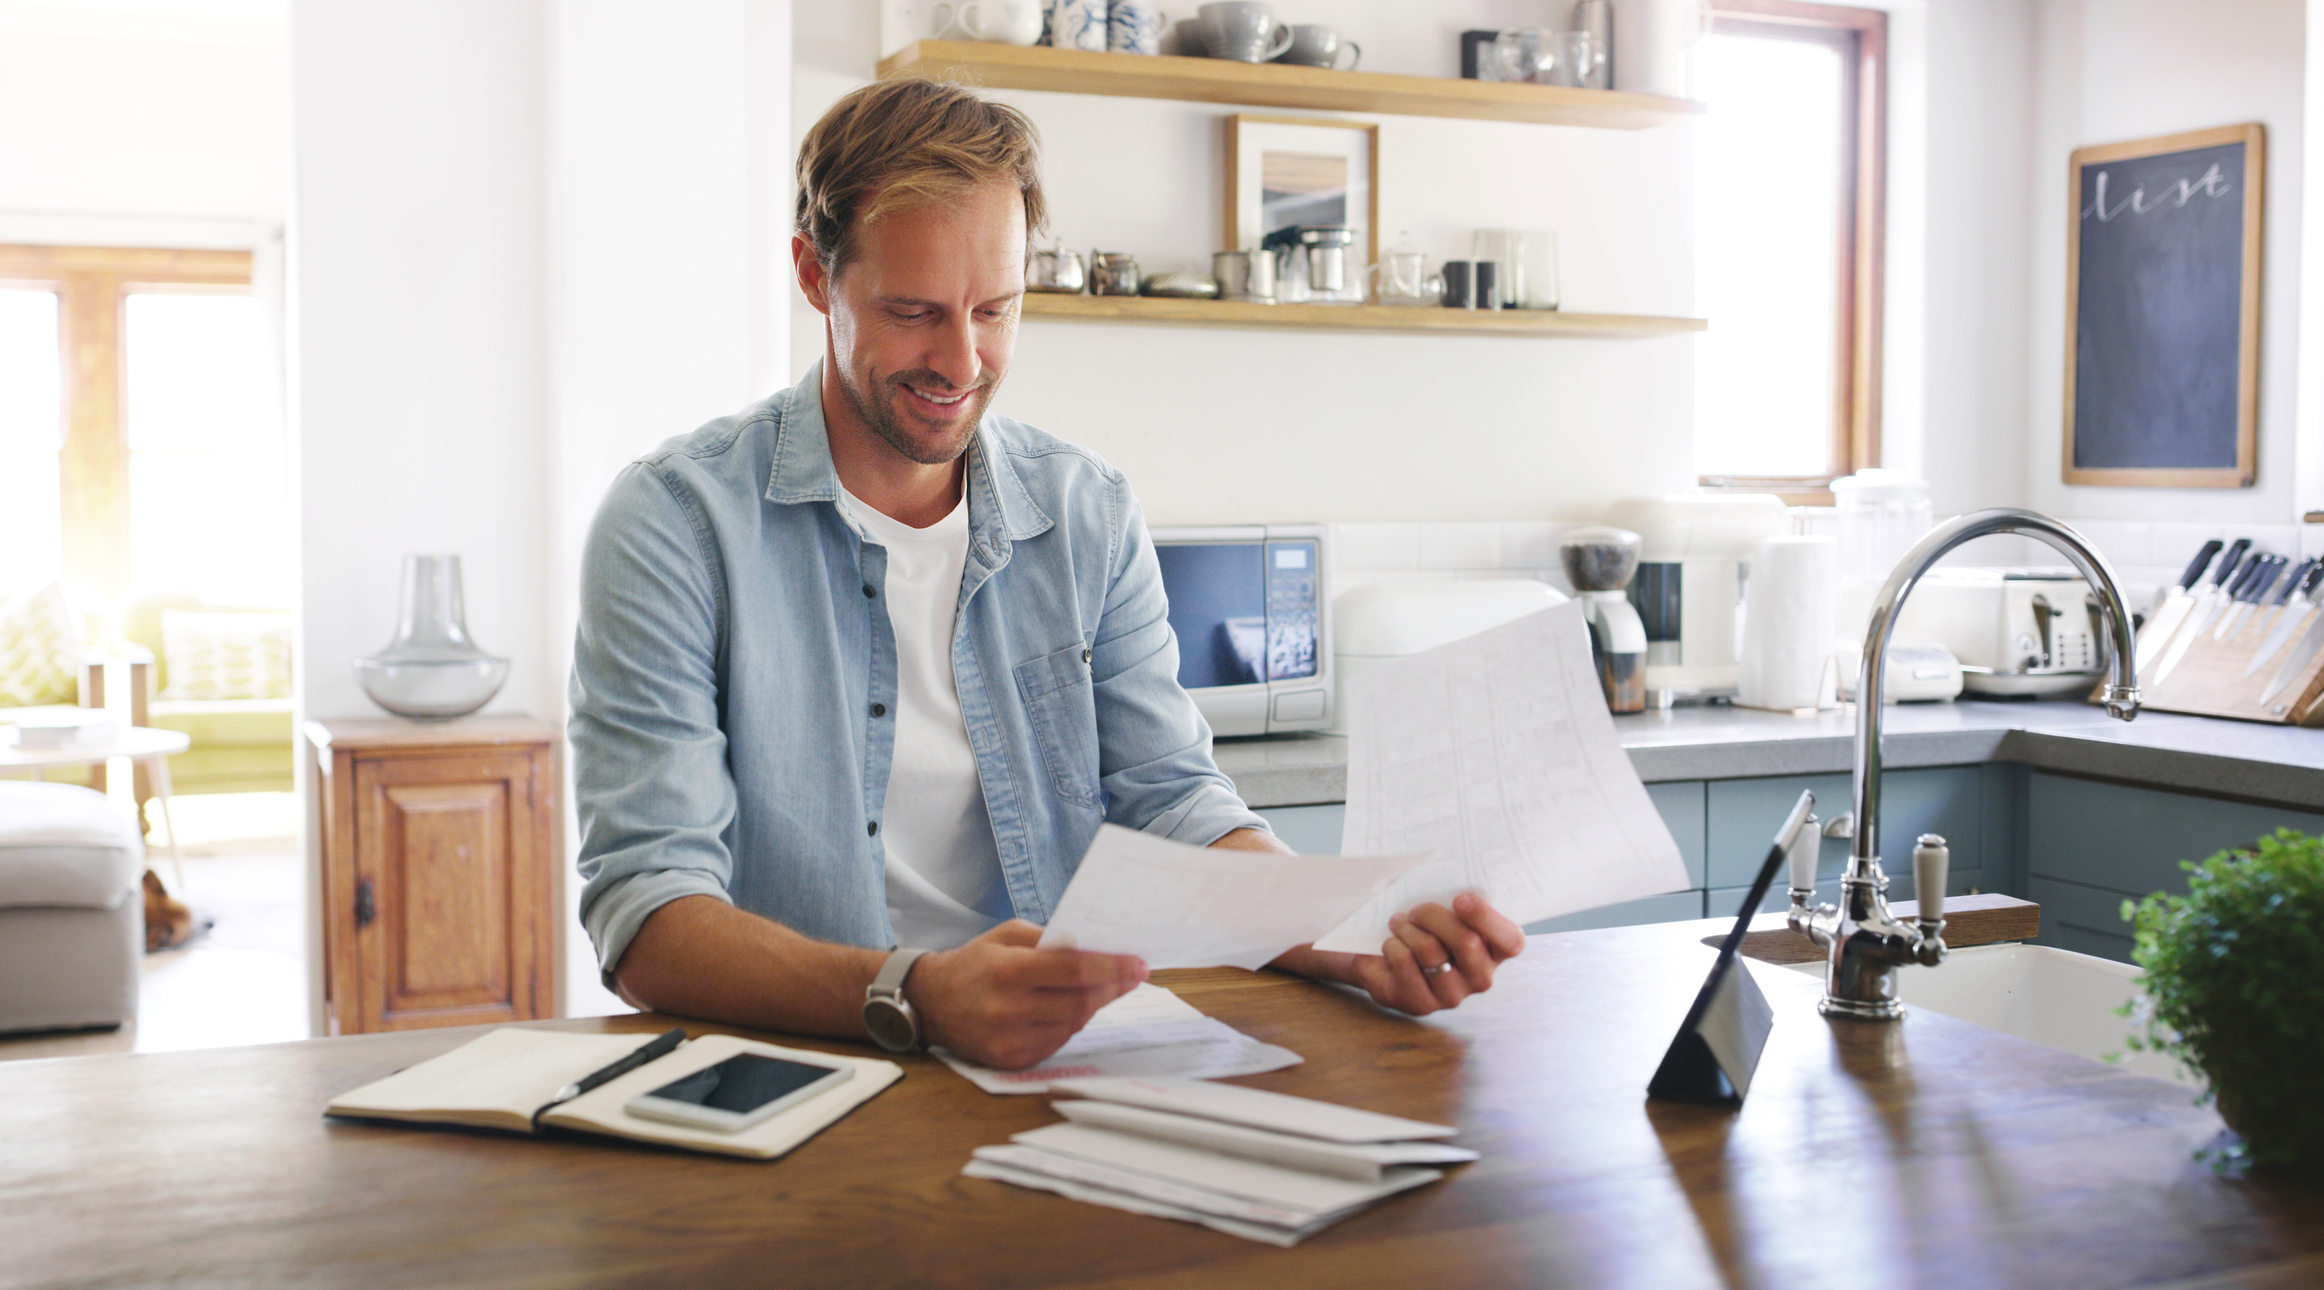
[2162,311]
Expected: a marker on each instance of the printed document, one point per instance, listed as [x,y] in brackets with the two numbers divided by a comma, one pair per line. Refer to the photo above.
[1175,905]
[1497,754]
[1148,1032]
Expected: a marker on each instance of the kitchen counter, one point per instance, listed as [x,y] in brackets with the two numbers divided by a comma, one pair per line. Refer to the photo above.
[2235,759]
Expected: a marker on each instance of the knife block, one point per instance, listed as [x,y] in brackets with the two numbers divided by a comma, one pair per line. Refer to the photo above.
[2209,680]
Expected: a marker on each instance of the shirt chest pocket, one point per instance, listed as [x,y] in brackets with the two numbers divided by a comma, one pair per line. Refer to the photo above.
[1061,705]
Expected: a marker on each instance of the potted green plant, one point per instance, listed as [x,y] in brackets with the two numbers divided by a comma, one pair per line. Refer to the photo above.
[2235,991]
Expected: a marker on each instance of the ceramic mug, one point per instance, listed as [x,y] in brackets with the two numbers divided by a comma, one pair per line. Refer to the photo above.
[1079,24]
[1000,22]
[1134,27]
[1315,45]
[1243,30]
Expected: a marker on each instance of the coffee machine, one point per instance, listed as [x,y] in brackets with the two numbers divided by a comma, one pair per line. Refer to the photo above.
[1695,548]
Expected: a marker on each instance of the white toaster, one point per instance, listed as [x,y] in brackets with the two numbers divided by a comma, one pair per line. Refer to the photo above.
[2016,631]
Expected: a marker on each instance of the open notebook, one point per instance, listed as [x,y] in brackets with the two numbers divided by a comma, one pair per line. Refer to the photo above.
[501,1079]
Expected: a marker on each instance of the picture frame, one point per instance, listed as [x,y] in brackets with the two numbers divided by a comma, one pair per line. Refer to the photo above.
[1324,171]
[2163,247]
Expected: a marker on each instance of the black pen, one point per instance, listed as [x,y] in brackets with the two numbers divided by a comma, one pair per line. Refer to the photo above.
[663,1045]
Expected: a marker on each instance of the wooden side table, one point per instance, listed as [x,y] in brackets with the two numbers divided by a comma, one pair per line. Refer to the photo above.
[442,883]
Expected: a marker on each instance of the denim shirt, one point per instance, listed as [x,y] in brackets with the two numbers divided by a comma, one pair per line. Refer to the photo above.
[734,669]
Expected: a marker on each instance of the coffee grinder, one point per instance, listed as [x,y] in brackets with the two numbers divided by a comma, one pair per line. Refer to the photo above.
[1598,562]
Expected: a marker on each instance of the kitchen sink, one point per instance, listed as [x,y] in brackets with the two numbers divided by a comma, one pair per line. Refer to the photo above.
[2055,998]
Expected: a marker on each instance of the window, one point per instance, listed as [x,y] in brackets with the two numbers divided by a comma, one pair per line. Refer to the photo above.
[1789,209]
[141,439]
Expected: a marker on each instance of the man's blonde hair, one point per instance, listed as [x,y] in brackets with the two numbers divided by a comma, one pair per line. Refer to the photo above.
[898,143]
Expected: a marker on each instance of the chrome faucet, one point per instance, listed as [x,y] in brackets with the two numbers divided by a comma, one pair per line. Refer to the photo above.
[1867,944]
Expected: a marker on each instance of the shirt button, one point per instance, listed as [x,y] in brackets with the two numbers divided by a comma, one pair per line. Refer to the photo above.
[872,829]
[869,591]
[879,709]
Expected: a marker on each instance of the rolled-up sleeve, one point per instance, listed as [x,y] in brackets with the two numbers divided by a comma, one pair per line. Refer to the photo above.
[655,798]
[1154,758]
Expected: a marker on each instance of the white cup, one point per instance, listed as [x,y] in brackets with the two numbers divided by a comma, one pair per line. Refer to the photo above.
[1243,30]
[1000,22]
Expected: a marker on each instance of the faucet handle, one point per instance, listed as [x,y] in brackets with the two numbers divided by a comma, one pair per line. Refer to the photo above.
[1801,850]
[1932,862]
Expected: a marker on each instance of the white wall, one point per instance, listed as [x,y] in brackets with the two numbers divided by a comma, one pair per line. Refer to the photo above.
[1251,425]
[1974,207]
[531,240]
[129,124]
[2112,70]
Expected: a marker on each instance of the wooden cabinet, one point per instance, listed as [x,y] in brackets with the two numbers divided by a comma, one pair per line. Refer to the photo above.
[441,875]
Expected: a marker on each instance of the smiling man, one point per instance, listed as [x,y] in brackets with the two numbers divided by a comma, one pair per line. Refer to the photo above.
[861,669]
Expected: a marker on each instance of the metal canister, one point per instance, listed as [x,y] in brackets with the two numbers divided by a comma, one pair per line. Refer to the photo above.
[1113,273]
[1245,275]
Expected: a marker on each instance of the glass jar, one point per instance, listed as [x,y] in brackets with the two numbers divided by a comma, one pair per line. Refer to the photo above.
[1881,513]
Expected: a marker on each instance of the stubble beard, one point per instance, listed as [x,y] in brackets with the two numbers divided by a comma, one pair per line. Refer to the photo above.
[881,416]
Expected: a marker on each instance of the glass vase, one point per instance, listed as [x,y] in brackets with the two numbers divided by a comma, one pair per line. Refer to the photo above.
[431,670]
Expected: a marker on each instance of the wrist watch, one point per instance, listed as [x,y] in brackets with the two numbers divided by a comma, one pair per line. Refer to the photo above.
[886,1013]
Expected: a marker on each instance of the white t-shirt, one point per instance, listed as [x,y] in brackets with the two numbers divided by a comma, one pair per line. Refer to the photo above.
[944,869]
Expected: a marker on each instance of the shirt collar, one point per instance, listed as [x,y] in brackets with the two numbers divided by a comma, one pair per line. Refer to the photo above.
[1000,508]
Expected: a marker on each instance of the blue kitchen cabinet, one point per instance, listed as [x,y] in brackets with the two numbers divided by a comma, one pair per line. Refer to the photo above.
[1309,830]
[2090,845]
[1745,813]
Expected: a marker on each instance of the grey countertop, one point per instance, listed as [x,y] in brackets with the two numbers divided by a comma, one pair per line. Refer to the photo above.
[2236,759]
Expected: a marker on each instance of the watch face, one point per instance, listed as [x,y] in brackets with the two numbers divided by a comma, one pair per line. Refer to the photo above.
[891,1025]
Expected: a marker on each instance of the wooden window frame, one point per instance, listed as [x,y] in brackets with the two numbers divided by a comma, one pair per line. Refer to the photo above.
[93,284]
[1862,36]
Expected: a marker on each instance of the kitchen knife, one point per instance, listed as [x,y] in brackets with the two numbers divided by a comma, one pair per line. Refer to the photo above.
[2173,610]
[2272,606]
[2298,659]
[2215,597]
[2204,593]
[2254,591]
[2290,618]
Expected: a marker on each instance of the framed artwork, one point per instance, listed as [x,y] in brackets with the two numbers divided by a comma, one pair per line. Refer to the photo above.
[2162,311]
[1285,171]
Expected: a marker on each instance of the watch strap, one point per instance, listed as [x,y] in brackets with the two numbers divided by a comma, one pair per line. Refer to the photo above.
[889,984]
[884,1004]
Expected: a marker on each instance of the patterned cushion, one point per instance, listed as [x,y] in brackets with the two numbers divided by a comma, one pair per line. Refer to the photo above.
[226,656]
[40,649]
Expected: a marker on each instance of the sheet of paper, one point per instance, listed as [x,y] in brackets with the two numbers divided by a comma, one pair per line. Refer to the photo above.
[1176,905]
[1258,1108]
[998,1165]
[1497,754]
[1362,1161]
[1148,1032]
[1247,1180]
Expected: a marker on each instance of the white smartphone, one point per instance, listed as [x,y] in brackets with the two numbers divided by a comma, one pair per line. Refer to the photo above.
[739,1092]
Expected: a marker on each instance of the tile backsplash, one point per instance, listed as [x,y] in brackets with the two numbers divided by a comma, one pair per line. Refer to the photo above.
[2146,555]
[1387,552]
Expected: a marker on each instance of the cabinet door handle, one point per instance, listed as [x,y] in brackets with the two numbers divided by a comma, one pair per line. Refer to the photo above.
[366,905]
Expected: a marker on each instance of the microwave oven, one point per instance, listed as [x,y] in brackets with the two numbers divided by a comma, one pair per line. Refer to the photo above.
[1250,608]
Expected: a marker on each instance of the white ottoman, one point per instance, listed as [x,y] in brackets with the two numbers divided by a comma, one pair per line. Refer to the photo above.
[72,919]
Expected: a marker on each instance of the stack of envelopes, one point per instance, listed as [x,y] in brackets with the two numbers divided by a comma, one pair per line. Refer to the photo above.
[1264,1166]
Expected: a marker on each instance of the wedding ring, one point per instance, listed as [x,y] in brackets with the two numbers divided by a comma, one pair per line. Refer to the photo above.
[1439,970]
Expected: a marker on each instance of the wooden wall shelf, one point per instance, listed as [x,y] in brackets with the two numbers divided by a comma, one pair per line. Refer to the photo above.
[1409,321]
[1276,85]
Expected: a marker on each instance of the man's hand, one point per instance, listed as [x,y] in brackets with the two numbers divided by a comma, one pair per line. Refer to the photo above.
[999,1002]
[1433,958]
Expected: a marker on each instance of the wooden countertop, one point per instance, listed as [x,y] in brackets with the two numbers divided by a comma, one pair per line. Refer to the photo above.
[1929,1152]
